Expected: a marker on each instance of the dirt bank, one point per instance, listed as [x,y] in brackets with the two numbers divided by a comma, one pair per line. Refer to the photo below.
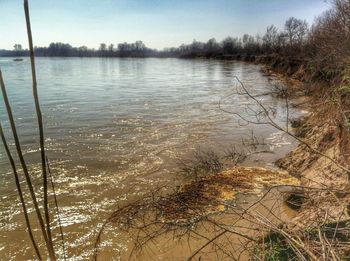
[323,130]
[320,162]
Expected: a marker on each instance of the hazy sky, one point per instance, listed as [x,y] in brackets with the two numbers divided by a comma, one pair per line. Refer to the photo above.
[158,23]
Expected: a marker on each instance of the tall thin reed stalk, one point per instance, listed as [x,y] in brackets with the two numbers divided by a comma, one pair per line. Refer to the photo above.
[48,243]
[20,194]
[40,122]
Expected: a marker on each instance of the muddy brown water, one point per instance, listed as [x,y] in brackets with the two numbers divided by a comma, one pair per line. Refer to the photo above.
[115,129]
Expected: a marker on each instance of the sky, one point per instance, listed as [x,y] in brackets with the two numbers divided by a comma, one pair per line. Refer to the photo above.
[158,23]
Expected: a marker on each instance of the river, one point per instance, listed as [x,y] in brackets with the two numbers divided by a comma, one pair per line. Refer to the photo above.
[115,128]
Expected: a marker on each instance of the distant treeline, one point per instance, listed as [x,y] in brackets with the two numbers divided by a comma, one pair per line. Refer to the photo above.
[326,43]
[137,49]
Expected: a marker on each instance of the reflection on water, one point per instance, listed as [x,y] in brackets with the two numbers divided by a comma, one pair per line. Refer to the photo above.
[114,129]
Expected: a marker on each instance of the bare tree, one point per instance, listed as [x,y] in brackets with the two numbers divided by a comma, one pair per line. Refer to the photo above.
[111,47]
[270,38]
[18,47]
[212,45]
[103,47]
[296,30]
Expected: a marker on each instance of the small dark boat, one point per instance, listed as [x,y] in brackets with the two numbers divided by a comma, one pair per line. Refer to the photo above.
[18,59]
